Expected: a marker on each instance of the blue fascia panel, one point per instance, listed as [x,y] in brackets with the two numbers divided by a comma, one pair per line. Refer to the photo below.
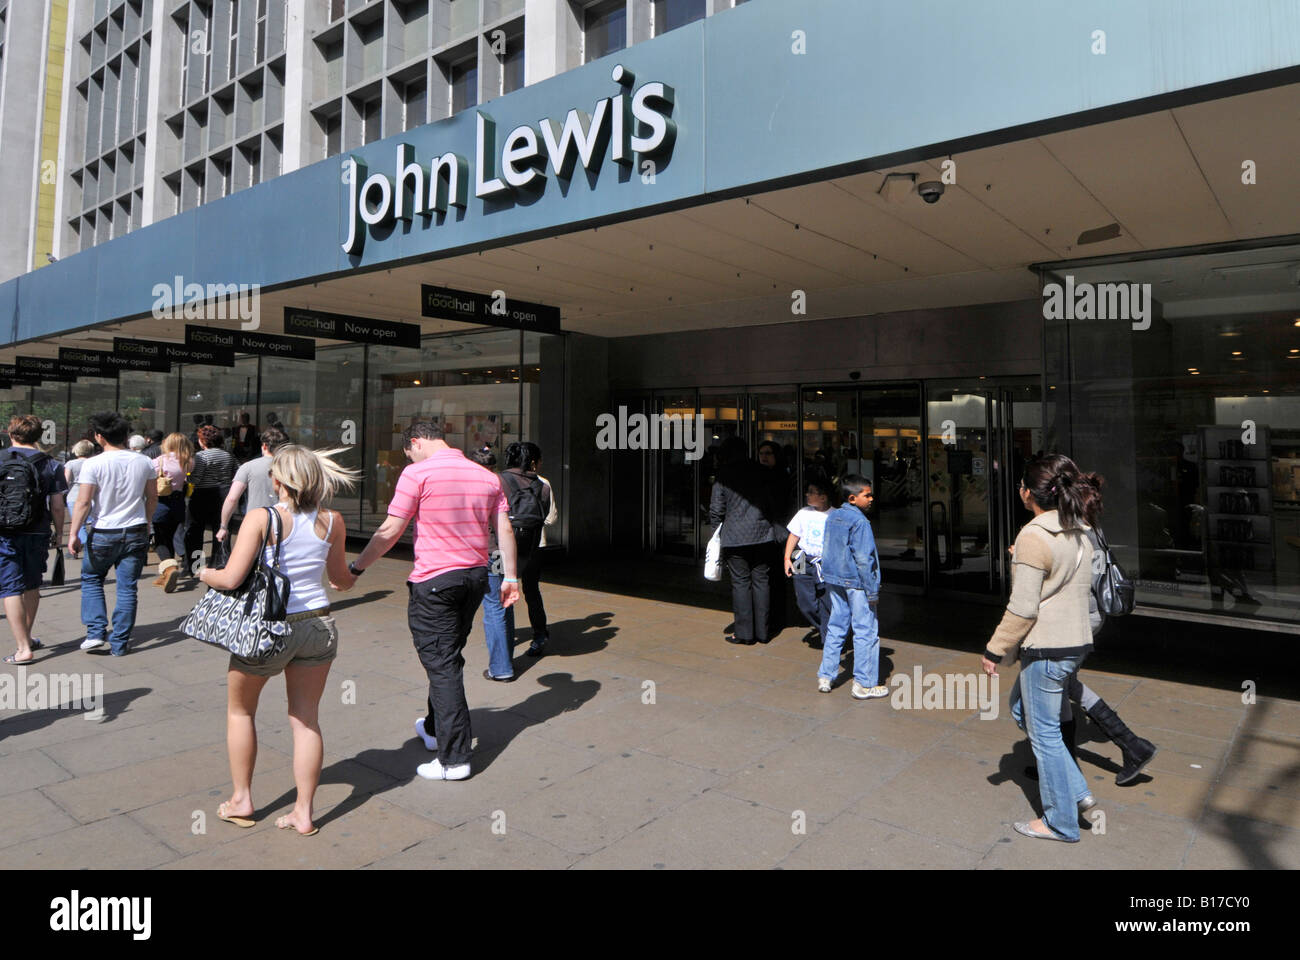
[877,79]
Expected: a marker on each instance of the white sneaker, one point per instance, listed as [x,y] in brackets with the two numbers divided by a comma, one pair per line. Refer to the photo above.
[434,770]
[93,643]
[823,685]
[868,693]
[430,743]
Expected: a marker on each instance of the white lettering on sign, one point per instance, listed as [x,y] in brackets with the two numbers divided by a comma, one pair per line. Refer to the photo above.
[637,124]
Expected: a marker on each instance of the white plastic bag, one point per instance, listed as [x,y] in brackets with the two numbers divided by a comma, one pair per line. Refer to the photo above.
[713,556]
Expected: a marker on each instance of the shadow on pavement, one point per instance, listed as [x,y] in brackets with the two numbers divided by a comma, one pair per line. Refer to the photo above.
[494,728]
[568,638]
[114,704]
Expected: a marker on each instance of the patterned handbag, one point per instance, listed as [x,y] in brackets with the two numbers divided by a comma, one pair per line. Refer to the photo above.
[249,621]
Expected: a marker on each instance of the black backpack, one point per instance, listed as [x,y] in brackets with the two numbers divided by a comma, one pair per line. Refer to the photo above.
[527,507]
[21,498]
[1113,591]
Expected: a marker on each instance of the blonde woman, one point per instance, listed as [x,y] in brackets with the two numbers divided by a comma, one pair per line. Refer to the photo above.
[82,451]
[174,462]
[312,545]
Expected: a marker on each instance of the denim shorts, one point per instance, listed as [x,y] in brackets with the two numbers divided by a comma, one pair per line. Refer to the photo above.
[310,643]
[22,562]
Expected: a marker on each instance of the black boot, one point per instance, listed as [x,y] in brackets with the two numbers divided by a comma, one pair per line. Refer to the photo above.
[1067,735]
[1137,752]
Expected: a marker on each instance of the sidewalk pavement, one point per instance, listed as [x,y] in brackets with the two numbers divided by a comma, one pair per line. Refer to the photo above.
[642,740]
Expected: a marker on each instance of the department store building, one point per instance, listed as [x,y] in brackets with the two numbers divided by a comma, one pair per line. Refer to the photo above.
[914,241]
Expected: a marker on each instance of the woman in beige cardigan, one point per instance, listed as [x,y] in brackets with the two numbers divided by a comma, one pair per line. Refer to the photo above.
[1047,626]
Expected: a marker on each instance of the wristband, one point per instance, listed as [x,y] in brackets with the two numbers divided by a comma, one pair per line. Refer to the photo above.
[509,580]
[352,569]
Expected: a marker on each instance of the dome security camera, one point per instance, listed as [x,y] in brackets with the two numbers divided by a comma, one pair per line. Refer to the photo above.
[930,191]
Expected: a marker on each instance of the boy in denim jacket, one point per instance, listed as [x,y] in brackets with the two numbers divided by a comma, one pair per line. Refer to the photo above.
[851,569]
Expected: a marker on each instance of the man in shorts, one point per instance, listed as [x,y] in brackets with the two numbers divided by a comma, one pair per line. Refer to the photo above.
[24,549]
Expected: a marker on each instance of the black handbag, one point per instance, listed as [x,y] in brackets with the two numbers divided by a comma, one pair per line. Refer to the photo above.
[1113,591]
[249,621]
[57,577]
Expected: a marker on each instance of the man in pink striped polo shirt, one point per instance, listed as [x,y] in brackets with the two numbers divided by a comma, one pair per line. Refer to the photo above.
[454,501]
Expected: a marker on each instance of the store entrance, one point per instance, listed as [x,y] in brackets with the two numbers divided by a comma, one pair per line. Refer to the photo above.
[980,433]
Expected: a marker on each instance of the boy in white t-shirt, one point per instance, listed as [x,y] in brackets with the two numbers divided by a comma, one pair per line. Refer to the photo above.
[807,528]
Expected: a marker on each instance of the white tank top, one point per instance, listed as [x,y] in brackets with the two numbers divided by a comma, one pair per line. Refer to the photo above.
[302,560]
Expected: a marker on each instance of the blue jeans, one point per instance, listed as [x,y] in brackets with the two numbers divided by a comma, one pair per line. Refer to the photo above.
[499,626]
[1039,701]
[849,605]
[126,549]
[814,600]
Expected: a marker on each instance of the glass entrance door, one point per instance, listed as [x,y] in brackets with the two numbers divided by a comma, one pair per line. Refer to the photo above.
[980,433]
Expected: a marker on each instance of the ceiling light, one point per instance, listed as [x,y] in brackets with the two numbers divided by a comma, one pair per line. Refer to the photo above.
[416,382]
[1236,353]
[1196,373]
[1293,350]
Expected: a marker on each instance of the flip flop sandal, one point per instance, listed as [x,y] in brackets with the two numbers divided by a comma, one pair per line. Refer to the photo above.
[1023,828]
[237,821]
[284,824]
[12,656]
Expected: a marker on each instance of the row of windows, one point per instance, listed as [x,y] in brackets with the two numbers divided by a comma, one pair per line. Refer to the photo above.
[205,29]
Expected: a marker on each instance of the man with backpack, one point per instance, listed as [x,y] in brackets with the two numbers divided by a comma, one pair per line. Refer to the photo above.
[30,484]
[530,504]
[124,490]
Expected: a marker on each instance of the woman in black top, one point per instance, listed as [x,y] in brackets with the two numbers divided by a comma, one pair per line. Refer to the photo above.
[742,503]
[530,502]
[212,473]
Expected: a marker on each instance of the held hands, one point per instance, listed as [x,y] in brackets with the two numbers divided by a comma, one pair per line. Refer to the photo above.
[509,594]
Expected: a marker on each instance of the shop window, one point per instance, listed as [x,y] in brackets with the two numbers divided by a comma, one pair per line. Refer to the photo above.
[468,383]
[146,398]
[318,404]
[1191,413]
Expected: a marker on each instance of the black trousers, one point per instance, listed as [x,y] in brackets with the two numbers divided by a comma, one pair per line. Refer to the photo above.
[204,514]
[750,567]
[529,563]
[440,613]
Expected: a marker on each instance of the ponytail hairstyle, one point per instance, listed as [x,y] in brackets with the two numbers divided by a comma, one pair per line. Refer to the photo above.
[1057,483]
[310,477]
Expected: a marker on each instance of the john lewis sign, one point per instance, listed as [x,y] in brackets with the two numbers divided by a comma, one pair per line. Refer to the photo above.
[630,124]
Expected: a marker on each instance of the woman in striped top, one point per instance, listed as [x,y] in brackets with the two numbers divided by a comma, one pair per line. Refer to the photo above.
[211,475]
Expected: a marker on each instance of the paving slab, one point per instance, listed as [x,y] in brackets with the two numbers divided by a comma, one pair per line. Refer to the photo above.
[730,758]
[853,842]
[477,845]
